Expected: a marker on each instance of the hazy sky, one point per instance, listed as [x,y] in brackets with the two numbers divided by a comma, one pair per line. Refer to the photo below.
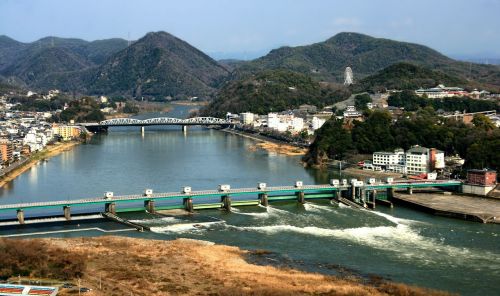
[230,27]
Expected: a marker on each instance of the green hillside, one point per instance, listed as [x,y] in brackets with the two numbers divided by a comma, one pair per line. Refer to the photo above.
[406,76]
[273,90]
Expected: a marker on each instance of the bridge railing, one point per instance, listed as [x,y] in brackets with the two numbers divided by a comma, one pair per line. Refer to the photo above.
[160,121]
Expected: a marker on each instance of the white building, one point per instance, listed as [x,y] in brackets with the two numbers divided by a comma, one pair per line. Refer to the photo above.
[297,124]
[388,158]
[317,123]
[441,91]
[421,160]
[351,111]
[391,161]
[247,118]
[415,161]
[273,120]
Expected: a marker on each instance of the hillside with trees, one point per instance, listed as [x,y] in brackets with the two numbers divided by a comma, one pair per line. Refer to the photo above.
[411,102]
[273,91]
[85,109]
[406,76]
[478,144]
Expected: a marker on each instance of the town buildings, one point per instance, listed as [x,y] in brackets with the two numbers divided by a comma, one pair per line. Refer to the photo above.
[441,91]
[6,151]
[67,132]
[417,160]
[390,161]
[480,182]
[292,121]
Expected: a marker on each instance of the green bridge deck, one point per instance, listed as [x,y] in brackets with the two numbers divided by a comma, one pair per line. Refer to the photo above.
[273,193]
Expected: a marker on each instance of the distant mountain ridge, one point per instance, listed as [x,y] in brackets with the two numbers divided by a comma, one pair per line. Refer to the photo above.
[32,64]
[161,65]
[158,64]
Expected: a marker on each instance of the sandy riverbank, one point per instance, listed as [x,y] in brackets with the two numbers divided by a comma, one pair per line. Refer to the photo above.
[189,103]
[129,266]
[48,152]
[288,150]
[270,145]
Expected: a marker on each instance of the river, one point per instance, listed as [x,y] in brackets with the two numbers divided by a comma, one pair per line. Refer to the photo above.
[399,244]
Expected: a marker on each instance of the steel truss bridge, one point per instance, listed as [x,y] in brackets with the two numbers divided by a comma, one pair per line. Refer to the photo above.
[358,195]
[203,121]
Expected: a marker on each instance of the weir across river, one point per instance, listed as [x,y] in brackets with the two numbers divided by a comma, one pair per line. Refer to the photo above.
[357,194]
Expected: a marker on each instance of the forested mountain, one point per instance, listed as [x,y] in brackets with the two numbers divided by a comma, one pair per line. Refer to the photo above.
[159,64]
[273,90]
[366,55]
[35,64]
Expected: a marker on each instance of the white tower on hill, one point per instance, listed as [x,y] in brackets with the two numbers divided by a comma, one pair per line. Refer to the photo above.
[348,77]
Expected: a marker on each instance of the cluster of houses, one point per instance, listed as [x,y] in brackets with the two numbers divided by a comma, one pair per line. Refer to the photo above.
[305,118]
[23,133]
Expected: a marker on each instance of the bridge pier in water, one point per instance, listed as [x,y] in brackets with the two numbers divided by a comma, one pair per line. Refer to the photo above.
[142,129]
[409,190]
[337,194]
[390,193]
[184,129]
[67,212]
[226,202]
[149,205]
[110,207]
[188,204]
[263,199]
[20,216]
[301,197]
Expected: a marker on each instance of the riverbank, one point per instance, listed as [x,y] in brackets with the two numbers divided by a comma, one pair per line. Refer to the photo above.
[479,209]
[189,103]
[48,152]
[124,266]
[270,145]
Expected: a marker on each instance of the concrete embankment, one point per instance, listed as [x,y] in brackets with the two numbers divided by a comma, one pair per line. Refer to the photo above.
[484,210]
[48,152]
[354,171]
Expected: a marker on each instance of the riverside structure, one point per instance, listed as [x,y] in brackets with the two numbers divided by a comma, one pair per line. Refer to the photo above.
[200,121]
[356,194]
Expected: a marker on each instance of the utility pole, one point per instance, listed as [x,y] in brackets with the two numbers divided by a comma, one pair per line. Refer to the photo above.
[79,285]
[100,281]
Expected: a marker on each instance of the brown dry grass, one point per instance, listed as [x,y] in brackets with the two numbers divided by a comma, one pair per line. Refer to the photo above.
[186,267]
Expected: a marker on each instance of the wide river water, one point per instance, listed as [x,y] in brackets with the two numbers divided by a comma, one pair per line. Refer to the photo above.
[398,244]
